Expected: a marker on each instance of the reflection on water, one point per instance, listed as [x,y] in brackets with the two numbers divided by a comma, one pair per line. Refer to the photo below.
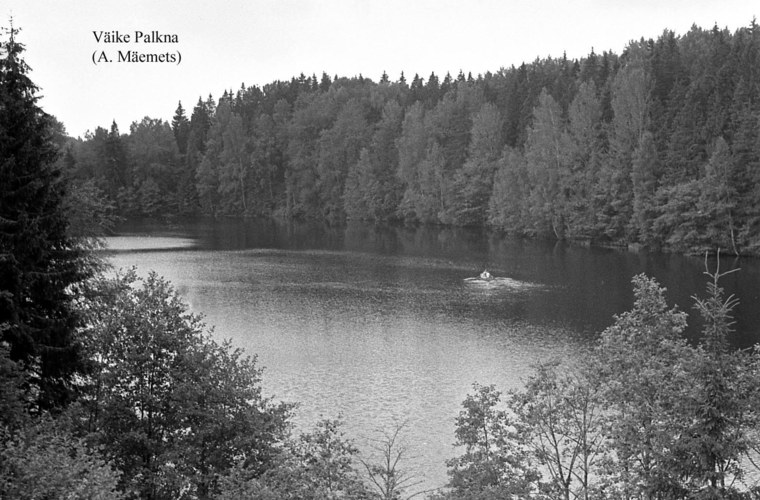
[137,243]
[382,326]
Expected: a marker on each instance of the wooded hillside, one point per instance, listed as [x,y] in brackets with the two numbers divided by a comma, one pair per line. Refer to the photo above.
[657,146]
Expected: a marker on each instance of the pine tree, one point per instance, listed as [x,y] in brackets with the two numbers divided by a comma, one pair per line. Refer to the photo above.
[39,262]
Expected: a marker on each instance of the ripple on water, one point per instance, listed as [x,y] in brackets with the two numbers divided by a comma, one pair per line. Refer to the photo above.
[379,340]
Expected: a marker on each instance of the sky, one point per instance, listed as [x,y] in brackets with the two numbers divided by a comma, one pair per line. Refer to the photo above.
[229,43]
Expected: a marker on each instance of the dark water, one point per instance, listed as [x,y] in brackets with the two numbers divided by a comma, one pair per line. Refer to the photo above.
[379,325]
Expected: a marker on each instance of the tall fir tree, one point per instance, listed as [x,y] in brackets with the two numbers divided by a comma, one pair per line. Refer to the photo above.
[181,129]
[40,263]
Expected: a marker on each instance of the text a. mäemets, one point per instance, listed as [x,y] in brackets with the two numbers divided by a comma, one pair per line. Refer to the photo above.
[116,36]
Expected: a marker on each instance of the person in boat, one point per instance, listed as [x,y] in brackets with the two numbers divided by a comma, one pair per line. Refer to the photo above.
[485,275]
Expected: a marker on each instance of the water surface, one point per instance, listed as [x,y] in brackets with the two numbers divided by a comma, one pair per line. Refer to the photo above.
[381,325]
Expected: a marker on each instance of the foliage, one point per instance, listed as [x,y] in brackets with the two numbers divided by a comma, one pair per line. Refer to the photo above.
[496,460]
[40,260]
[319,465]
[562,417]
[13,405]
[46,461]
[547,156]
[722,400]
[89,211]
[656,147]
[643,366]
[171,407]
[644,416]
[508,206]
[475,178]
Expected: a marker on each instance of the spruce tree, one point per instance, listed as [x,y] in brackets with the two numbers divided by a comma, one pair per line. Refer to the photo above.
[181,128]
[39,262]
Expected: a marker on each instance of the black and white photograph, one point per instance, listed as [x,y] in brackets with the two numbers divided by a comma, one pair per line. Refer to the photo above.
[379,250]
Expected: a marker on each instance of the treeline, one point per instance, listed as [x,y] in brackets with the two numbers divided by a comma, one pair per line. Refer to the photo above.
[658,146]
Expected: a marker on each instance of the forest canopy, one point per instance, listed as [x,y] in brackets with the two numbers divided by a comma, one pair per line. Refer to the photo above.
[657,146]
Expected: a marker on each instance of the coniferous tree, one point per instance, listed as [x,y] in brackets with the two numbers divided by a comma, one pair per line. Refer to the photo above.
[116,168]
[325,82]
[417,88]
[719,436]
[181,129]
[40,264]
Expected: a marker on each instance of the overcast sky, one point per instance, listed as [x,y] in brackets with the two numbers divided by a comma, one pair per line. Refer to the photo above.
[224,44]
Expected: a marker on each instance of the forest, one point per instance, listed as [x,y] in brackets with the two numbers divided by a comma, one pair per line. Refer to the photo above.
[110,388]
[658,147]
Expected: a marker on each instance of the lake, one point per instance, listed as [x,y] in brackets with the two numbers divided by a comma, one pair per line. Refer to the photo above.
[379,325]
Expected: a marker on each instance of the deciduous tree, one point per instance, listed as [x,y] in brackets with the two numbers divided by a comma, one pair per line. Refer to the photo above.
[495,462]
[172,408]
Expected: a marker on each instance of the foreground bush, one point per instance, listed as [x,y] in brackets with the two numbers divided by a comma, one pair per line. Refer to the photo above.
[320,465]
[173,409]
[46,461]
[645,415]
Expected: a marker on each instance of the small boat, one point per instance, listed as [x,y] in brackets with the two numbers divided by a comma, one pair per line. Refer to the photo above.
[484,277]
[491,283]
